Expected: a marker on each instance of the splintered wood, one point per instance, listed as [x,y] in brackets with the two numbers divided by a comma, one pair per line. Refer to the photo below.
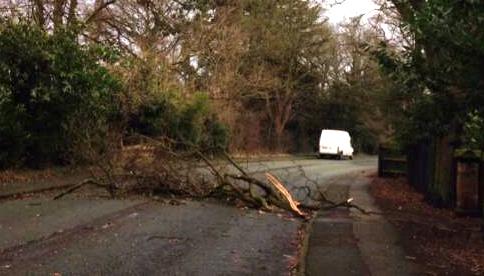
[285,193]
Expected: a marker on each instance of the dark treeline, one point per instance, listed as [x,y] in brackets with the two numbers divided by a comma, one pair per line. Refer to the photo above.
[79,77]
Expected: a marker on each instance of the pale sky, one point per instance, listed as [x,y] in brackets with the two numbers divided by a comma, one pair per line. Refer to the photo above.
[349,8]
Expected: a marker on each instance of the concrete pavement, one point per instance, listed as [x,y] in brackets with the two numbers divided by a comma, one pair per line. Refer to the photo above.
[344,242]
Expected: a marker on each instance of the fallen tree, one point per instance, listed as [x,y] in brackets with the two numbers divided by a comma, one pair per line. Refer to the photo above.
[165,166]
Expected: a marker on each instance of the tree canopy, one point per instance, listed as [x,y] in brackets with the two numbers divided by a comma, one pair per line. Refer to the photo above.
[242,75]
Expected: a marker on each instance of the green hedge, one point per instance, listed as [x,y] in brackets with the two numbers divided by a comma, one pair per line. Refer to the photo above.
[191,121]
[54,96]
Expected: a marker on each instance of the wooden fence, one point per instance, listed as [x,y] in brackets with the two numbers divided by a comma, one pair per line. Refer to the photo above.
[430,167]
[391,162]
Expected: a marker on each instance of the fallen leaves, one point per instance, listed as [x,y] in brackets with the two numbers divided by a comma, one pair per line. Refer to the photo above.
[435,238]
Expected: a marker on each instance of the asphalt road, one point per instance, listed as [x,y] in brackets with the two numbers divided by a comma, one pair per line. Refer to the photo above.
[77,236]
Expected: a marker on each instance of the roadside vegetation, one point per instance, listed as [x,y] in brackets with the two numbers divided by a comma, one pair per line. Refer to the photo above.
[243,76]
[92,82]
[437,100]
[146,93]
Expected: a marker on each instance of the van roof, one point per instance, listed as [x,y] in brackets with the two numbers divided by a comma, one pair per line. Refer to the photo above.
[334,134]
[335,131]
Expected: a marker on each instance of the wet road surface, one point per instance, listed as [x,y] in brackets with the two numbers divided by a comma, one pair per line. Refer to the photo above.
[76,236]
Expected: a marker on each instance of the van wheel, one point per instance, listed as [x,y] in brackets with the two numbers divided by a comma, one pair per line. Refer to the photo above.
[351,157]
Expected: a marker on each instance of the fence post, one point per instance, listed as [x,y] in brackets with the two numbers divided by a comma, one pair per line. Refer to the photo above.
[380,163]
[467,184]
[481,184]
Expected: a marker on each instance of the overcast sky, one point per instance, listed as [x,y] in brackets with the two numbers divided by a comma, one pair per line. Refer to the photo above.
[349,8]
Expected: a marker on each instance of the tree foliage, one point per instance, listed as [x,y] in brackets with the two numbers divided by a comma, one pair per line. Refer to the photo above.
[261,57]
[54,95]
[192,121]
[440,72]
[268,74]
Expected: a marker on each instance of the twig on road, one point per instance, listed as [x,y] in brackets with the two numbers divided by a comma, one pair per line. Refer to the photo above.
[89,181]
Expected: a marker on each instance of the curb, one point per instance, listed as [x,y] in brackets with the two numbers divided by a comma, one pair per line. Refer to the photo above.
[308,228]
[34,191]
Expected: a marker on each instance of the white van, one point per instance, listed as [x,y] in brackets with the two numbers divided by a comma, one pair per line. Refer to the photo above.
[335,143]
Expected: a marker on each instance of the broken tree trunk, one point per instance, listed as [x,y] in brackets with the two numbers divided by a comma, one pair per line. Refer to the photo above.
[293,204]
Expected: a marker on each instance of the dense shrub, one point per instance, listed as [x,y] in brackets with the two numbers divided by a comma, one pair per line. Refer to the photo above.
[55,97]
[473,132]
[191,121]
